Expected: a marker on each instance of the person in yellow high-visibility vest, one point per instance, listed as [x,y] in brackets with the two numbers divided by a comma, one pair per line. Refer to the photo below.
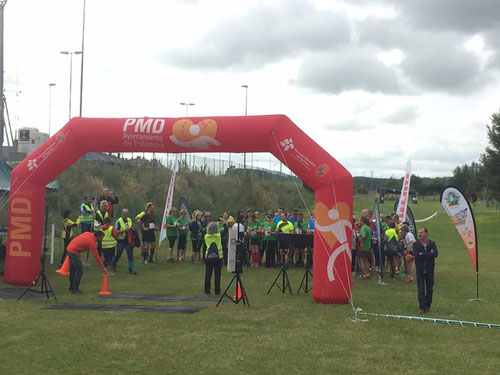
[213,257]
[67,233]
[109,242]
[284,226]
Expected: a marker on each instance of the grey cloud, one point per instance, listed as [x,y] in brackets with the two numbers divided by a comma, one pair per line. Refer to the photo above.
[349,69]
[435,61]
[350,125]
[264,35]
[443,66]
[403,115]
[465,16]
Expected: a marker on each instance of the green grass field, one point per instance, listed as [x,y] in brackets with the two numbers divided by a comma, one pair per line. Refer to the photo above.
[279,334]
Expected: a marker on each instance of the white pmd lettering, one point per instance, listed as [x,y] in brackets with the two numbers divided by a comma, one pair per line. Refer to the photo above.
[158,126]
[144,125]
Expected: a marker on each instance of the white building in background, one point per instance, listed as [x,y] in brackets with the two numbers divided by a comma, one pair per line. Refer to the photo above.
[29,139]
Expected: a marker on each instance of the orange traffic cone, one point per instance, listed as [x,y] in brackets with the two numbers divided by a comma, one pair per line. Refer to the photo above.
[64,270]
[238,294]
[105,287]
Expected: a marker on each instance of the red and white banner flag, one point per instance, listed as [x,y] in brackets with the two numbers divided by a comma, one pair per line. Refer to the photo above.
[405,192]
[456,205]
[168,203]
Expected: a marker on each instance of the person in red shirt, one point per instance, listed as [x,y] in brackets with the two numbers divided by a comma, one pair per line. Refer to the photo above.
[84,242]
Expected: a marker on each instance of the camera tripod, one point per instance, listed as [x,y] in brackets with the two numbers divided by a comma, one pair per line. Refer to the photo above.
[45,287]
[304,284]
[285,282]
[240,294]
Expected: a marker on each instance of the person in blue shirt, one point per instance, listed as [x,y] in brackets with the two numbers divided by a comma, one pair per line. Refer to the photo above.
[311,222]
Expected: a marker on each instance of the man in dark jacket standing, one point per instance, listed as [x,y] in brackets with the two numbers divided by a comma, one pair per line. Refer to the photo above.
[425,252]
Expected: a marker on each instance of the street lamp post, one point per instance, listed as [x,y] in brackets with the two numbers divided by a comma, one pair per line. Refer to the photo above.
[246,109]
[83,54]
[187,107]
[70,74]
[50,103]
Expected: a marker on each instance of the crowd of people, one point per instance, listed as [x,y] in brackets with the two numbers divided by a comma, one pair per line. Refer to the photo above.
[398,252]
[259,233]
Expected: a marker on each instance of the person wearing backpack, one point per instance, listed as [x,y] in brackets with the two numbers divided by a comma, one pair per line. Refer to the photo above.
[213,257]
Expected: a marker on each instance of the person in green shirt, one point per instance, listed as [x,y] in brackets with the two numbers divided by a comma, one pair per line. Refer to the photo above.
[268,230]
[300,226]
[182,229]
[172,232]
[260,221]
[253,229]
[365,234]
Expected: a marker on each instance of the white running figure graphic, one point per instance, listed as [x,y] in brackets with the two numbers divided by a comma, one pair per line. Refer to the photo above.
[338,229]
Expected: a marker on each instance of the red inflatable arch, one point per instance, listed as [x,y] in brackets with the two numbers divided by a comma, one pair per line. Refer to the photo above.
[275,134]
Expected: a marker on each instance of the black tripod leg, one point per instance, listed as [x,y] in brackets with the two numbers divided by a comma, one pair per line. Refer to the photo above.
[50,289]
[274,282]
[301,286]
[28,288]
[288,284]
[244,294]
[225,291]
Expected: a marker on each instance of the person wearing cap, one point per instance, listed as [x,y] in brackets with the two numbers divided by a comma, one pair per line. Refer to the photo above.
[111,198]
[84,242]
[86,214]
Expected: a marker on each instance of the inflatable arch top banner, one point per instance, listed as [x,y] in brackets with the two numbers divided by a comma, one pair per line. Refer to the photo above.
[276,134]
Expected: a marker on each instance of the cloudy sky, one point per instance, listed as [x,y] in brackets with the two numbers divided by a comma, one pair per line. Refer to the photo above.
[373,82]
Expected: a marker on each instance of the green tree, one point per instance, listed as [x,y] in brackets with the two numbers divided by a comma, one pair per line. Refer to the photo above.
[491,158]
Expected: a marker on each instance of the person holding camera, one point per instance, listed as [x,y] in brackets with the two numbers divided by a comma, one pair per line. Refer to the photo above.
[213,257]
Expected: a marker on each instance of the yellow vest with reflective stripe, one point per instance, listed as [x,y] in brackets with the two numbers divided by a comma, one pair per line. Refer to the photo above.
[97,223]
[108,242]
[214,238]
[86,217]
[121,236]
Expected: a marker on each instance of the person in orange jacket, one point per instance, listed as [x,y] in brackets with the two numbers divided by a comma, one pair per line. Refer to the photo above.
[80,244]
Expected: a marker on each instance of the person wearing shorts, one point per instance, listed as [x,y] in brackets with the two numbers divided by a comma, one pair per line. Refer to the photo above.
[365,234]
[284,226]
[171,223]
[147,223]
[182,228]
[195,228]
